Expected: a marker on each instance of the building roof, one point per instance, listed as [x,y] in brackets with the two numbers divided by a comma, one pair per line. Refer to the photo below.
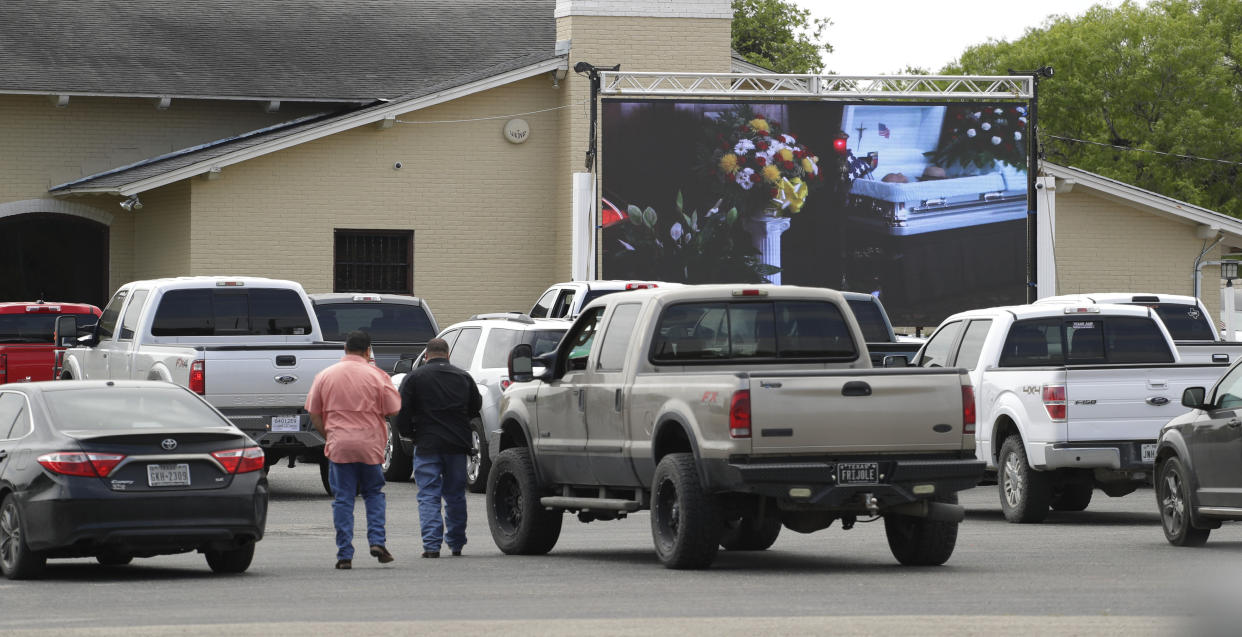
[1067,178]
[316,50]
[181,164]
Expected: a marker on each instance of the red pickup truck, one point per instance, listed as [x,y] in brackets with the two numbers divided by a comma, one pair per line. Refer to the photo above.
[27,349]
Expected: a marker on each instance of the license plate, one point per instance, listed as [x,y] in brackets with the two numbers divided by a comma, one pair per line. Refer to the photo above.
[858,472]
[1149,452]
[168,475]
[286,423]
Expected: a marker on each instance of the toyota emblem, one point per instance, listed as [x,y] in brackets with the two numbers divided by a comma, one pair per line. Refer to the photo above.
[169,444]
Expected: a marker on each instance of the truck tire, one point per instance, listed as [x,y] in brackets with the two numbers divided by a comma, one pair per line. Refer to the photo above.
[519,524]
[1024,492]
[685,520]
[398,465]
[1173,497]
[479,462]
[750,534]
[1072,497]
[230,561]
[919,541]
[324,467]
[17,561]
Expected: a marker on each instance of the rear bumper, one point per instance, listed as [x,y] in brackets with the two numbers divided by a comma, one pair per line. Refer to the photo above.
[258,427]
[1121,455]
[83,519]
[813,483]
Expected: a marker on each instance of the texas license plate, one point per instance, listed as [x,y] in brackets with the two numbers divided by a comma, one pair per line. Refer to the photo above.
[858,472]
[1149,452]
[168,475]
[286,423]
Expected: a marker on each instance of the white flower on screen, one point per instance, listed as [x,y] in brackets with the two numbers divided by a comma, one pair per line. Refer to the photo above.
[999,111]
[743,178]
[626,245]
[743,146]
[676,232]
[788,139]
[970,132]
[996,140]
[985,126]
[1017,136]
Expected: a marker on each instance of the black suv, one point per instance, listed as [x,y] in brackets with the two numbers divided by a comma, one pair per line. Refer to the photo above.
[399,325]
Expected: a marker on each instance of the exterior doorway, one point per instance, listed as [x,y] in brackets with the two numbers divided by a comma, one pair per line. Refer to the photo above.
[54,257]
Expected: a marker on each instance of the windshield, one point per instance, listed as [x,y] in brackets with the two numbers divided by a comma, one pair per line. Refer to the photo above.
[104,408]
[33,328]
[544,341]
[871,320]
[1184,322]
[385,322]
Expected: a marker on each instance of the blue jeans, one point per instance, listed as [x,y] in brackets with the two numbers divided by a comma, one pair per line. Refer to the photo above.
[441,476]
[348,480]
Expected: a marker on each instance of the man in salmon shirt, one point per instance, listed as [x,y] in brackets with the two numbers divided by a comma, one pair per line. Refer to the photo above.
[348,403]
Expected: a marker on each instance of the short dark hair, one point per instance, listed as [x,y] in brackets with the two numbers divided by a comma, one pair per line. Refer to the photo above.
[437,347]
[358,342]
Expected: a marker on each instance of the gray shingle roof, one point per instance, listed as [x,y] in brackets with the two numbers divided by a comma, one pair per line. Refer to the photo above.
[163,164]
[324,50]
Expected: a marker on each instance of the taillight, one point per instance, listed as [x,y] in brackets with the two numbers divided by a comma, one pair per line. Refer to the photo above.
[504,383]
[198,378]
[968,409]
[240,460]
[639,286]
[739,414]
[1054,402]
[76,463]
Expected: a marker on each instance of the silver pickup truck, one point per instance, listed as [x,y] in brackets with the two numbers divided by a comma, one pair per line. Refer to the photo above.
[729,412]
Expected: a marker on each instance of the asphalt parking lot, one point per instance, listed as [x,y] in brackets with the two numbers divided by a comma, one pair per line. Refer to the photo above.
[1104,571]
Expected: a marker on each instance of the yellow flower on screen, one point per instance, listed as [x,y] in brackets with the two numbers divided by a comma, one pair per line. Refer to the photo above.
[808,165]
[759,125]
[771,173]
[728,163]
[786,154]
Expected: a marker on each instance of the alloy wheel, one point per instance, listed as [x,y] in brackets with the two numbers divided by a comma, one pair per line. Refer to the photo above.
[10,536]
[475,459]
[387,453]
[507,503]
[667,511]
[1013,480]
[1172,506]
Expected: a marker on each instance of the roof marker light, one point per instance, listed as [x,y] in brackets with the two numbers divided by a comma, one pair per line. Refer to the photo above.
[1082,310]
[750,292]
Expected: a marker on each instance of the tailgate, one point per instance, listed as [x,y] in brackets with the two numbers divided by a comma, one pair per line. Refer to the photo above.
[264,377]
[1129,403]
[879,410]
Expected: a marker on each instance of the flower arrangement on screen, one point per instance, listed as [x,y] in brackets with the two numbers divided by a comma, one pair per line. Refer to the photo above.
[981,136]
[752,163]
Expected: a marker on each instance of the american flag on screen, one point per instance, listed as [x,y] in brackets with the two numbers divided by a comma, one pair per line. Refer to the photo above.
[857,168]
[884,131]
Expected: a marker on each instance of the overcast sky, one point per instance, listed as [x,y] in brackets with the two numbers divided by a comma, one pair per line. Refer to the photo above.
[883,36]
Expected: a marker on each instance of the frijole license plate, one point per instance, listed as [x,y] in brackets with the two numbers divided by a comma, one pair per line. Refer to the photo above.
[286,423]
[858,472]
[1148,450]
[168,475]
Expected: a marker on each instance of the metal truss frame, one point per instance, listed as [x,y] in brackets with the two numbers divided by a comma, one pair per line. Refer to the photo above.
[822,87]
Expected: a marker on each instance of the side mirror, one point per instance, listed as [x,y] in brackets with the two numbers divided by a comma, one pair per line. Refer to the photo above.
[88,337]
[897,360]
[1193,397]
[522,364]
[402,366]
[66,331]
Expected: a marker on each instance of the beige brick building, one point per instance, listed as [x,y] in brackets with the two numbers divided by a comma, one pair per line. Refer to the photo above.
[383,135]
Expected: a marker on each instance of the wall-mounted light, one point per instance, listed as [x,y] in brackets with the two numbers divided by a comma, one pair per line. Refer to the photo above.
[132,203]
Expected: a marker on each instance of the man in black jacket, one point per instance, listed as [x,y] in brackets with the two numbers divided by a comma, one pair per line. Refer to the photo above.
[437,403]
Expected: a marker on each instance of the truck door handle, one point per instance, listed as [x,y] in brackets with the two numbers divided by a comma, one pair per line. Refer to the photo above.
[3,454]
[856,388]
[581,399]
[1235,423]
[617,400]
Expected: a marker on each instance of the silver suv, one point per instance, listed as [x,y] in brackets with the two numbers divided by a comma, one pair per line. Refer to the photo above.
[481,346]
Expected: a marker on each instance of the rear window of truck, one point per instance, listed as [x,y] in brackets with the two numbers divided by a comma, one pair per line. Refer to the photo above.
[1085,341]
[232,312]
[385,322]
[777,331]
[870,321]
[1184,322]
[34,328]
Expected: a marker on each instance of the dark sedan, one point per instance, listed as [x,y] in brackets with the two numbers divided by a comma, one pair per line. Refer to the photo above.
[123,469]
[1199,462]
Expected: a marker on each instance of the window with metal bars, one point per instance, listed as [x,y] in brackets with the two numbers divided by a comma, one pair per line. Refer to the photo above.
[374,261]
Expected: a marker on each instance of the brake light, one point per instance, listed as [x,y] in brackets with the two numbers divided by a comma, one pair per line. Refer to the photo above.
[968,409]
[230,284]
[1054,402]
[240,460]
[739,414]
[76,463]
[43,308]
[639,286]
[750,292]
[198,377]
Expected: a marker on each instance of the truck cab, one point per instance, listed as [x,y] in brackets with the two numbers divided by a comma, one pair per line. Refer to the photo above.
[28,349]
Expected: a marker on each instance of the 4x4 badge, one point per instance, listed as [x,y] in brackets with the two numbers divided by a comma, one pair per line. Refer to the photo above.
[285,380]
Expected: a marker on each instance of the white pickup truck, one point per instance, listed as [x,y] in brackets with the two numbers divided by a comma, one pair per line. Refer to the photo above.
[250,346]
[1070,397]
[1186,318]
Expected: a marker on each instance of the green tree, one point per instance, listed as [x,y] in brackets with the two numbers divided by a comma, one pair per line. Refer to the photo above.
[779,35]
[1166,77]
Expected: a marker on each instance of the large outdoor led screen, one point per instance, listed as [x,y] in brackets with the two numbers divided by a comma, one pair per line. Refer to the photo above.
[924,205]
